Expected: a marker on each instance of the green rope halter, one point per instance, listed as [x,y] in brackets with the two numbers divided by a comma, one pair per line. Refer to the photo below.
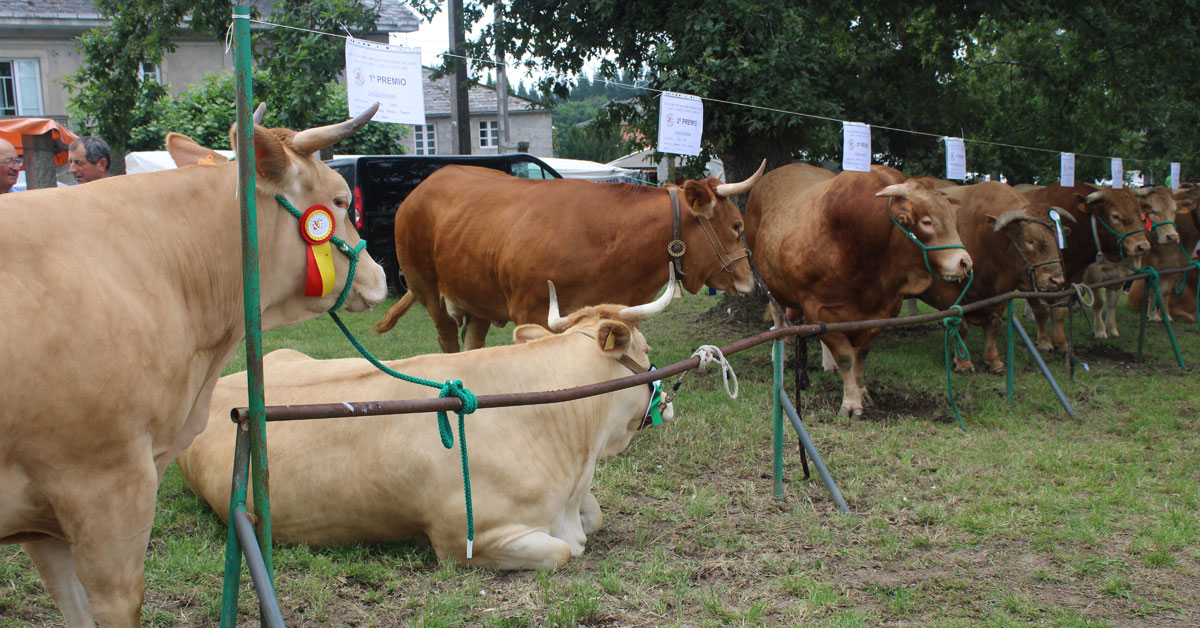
[925,248]
[953,337]
[351,253]
[451,388]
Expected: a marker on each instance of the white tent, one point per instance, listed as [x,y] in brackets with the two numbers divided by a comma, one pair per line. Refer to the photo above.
[154,160]
[589,170]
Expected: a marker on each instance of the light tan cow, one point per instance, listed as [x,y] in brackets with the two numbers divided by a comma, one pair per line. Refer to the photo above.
[384,478]
[123,301]
[1170,250]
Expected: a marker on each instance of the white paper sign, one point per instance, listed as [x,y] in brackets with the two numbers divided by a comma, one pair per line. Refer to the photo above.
[1118,173]
[856,146]
[1174,175]
[1067,178]
[680,123]
[388,75]
[956,158]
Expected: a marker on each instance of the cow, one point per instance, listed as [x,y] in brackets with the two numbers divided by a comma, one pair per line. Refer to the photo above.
[1014,246]
[842,248]
[1109,227]
[1160,208]
[1179,306]
[386,478]
[475,245]
[138,286]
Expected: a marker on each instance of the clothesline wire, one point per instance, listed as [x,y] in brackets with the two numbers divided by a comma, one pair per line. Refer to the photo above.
[730,102]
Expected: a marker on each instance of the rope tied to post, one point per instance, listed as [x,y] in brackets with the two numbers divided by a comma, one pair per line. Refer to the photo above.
[451,388]
[953,336]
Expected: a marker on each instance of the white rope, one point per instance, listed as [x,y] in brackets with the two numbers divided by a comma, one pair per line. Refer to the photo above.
[709,354]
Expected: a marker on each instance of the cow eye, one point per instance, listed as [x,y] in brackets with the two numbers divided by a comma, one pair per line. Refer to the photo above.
[928,222]
[737,228]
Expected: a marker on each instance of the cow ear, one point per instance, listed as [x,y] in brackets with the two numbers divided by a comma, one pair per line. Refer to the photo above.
[270,155]
[613,337]
[902,212]
[700,198]
[1184,205]
[525,333]
[186,152]
[1081,203]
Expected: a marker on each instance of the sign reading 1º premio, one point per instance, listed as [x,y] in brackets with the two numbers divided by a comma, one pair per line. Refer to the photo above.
[680,123]
[389,75]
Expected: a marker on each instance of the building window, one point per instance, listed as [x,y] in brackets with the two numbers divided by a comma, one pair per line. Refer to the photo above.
[425,139]
[20,87]
[150,72]
[489,133]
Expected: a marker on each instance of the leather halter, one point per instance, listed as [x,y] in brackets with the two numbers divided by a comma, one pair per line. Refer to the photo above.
[677,247]
[1031,267]
[624,360]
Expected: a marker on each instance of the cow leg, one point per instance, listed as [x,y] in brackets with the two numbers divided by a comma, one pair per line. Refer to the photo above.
[1041,315]
[964,365]
[860,365]
[827,361]
[52,559]
[110,530]
[447,329]
[521,547]
[991,353]
[589,514]
[844,355]
[476,333]
[1098,320]
[1058,316]
[1110,311]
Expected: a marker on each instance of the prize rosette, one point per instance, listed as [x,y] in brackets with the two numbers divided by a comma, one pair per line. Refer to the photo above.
[316,227]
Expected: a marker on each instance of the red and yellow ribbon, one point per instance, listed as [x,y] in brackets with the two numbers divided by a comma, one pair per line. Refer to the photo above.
[316,227]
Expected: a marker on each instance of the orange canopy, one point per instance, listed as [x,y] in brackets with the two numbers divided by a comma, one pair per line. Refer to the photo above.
[12,129]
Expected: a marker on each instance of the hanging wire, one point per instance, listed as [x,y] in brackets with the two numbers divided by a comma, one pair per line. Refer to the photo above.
[726,102]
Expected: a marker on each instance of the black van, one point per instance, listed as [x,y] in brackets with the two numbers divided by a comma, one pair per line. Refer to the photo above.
[381,182]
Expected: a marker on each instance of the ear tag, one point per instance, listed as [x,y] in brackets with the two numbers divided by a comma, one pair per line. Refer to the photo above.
[1058,228]
[316,227]
[609,343]
[207,161]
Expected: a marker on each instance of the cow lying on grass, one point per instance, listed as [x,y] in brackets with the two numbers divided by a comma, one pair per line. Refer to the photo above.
[123,302]
[384,478]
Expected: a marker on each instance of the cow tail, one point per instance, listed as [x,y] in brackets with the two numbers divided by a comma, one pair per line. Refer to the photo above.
[394,313]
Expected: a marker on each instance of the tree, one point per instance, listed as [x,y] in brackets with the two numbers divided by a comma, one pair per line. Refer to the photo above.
[111,100]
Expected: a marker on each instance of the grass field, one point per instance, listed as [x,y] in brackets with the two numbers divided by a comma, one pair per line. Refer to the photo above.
[1029,519]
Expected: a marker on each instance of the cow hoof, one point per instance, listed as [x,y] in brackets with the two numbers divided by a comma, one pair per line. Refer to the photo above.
[996,368]
[964,369]
[1114,334]
[867,401]
[1045,347]
[1101,334]
[1154,318]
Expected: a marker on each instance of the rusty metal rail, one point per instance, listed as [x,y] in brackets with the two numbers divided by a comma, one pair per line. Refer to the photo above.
[449,404]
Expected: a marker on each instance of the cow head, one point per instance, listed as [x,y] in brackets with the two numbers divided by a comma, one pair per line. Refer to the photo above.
[1032,233]
[716,254]
[287,165]
[926,213]
[1121,212]
[615,331]
[1161,208]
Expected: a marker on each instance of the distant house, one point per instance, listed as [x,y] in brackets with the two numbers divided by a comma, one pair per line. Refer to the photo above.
[37,49]
[530,129]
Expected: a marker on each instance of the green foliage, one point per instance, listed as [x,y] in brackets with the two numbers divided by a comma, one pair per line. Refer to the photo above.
[578,136]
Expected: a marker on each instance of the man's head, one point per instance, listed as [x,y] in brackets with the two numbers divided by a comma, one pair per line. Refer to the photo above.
[10,166]
[90,159]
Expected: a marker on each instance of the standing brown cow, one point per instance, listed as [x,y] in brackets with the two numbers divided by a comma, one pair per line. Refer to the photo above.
[1014,246]
[477,246]
[842,248]
[1171,254]
[1109,221]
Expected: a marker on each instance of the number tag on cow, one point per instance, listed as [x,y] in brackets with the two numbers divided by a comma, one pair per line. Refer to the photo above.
[1058,232]
[316,227]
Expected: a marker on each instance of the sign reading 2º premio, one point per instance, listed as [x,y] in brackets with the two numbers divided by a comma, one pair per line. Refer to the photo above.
[680,123]
[389,75]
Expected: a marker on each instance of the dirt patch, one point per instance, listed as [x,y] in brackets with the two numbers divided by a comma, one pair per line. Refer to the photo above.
[1104,351]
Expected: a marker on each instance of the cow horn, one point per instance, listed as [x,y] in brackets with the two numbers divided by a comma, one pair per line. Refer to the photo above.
[260,112]
[309,141]
[896,189]
[1094,197]
[642,312]
[1007,217]
[1065,215]
[725,190]
[554,322]
[1142,192]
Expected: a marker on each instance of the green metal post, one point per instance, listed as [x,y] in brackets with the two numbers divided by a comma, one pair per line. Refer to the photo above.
[1142,325]
[1010,356]
[251,291]
[777,418]
[1166,320]
[233,548]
